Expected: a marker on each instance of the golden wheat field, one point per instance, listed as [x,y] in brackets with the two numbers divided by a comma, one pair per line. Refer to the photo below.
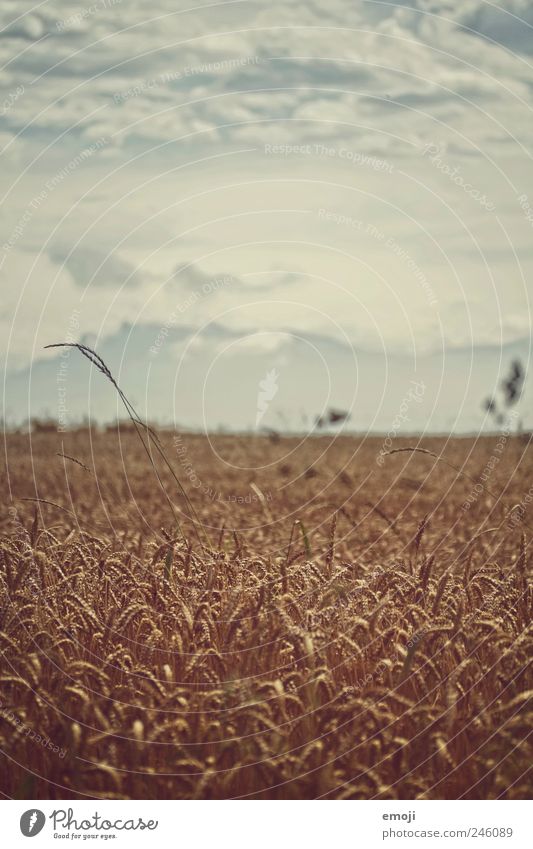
[328,627]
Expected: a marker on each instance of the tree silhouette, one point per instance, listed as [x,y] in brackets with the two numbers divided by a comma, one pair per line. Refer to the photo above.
[511,390]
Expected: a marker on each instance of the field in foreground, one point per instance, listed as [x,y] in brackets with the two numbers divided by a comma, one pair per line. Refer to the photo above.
[337,629]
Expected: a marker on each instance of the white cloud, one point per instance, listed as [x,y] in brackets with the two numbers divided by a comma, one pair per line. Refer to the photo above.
[187,101]
[92,267]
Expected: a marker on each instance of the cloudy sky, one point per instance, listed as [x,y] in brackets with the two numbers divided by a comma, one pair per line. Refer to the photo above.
[337,195]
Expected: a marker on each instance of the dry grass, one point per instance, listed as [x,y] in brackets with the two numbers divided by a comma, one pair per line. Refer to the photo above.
[348,631]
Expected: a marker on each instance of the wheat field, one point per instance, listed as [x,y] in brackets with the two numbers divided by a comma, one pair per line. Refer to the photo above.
[326,627]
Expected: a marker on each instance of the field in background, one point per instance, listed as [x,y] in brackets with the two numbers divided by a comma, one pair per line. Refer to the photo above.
[337,629]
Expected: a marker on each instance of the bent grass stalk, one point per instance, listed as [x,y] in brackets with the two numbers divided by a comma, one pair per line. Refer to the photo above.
[152,438]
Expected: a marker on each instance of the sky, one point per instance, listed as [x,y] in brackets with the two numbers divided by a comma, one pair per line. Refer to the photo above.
[257,211]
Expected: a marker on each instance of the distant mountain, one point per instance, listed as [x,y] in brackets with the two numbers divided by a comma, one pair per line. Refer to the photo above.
[213,379]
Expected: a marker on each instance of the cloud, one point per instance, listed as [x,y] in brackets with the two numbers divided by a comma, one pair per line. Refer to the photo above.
[258,343]
[30,27]
[511,27]
[89,266]
[184,190]
[194,70]
[189,278]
